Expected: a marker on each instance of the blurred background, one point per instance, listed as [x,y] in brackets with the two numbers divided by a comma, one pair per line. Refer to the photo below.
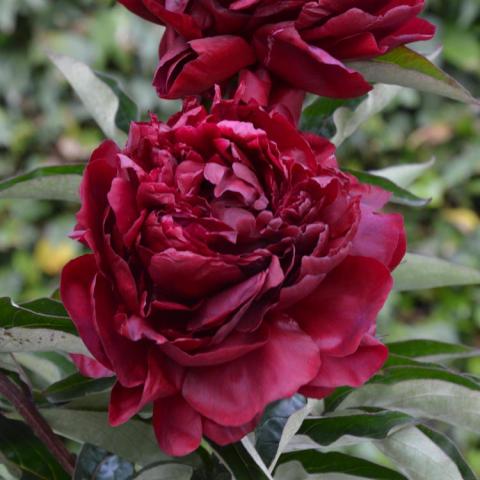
[42,122]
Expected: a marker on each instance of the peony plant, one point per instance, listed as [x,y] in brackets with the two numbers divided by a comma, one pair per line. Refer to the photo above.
[228,301]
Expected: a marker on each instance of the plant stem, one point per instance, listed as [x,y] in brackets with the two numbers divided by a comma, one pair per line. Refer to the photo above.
[27,409]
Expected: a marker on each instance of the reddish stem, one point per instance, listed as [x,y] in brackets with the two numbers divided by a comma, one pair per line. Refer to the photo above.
[27,409]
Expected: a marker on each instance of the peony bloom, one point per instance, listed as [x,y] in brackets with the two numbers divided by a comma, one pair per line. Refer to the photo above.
[303,44]
[233,265]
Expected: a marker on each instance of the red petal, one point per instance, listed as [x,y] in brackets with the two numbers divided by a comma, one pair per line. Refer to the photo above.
[227,435]
[234,393]
[201,64]
[184,24]
[127,402]
[137,7]
[188,276]
[178,427]
[128,359]
[353,370]
[345,305]
[76,292]
[124,404]
[96,183]
[235,346]
[380,236]
[89,367]
[309,68]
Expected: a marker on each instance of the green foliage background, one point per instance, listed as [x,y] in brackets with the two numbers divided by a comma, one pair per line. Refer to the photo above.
[43,123]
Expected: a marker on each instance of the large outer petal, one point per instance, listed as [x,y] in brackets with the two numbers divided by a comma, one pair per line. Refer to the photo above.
[353,370]
[380,236]
[96,183]
[76,288]
[178,427]
[345,305]
[234,393]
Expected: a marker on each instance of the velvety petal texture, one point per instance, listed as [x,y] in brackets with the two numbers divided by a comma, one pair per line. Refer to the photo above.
[300,43]
[233,264]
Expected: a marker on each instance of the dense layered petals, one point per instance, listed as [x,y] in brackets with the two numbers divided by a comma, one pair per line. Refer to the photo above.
[233,265]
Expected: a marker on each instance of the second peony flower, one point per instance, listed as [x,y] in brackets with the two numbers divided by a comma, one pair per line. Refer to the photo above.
[233,264]
[304,44]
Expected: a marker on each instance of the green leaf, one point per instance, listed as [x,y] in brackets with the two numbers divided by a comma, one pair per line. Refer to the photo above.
[38,326]
[211,469]
[347,120]
[45,183]
[402,66]
[318,116]
[95,463]
[405,175]
[127,109]
[40,340]
[44,313]
[199,466]
[400,195]
[44,368]
[76,386]
[445,397]
[240,462]
[421,371]
[279,423]
[169,471]
[432,350]
[449,447]
[425,456]
[373,425]
[47,306]
[314,465]
[93,428]
[22,449]
[99,98]
[417,272]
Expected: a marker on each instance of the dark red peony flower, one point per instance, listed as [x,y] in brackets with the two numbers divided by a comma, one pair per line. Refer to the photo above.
[233,265]
[302,43]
